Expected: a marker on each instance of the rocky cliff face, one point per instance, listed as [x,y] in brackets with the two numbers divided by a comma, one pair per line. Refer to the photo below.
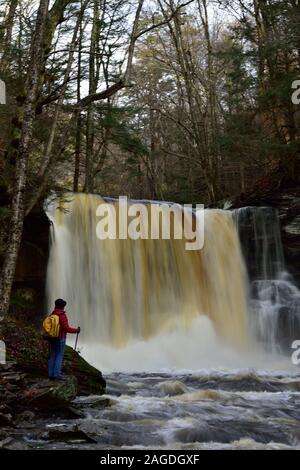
[289,213]
[285,197]
[30,276]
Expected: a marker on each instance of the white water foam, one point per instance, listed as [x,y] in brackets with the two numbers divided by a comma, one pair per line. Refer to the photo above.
[195,348]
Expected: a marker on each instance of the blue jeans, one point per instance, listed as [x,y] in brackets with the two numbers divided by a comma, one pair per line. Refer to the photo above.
[57,348]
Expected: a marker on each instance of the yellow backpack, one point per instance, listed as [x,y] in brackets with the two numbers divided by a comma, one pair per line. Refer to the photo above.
[51,326]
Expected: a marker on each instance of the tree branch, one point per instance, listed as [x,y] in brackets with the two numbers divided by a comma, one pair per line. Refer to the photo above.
[165,21]
[135,35]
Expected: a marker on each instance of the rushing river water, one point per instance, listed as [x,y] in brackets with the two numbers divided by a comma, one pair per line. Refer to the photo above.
[238,409]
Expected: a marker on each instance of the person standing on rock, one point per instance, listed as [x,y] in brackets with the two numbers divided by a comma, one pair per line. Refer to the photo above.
[57,345]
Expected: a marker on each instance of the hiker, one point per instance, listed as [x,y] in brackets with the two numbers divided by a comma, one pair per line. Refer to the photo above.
[57,344]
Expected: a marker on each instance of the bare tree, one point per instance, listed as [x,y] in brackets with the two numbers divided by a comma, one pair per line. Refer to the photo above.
[197,94]
[78,143]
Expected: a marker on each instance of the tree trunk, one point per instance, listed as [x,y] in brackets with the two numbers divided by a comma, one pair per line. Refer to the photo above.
[18,203]
[93,83]
[9,23]
[77,152]
[78,114]
[49,156]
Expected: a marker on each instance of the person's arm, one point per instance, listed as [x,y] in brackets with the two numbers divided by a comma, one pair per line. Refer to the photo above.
[65,324]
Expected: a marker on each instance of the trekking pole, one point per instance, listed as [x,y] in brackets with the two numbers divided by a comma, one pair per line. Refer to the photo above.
[76,341]
[74,355]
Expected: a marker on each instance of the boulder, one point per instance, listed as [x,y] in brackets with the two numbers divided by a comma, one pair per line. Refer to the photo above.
[12,444]
[52,395]
[91,402]
[71,432]
[90,379]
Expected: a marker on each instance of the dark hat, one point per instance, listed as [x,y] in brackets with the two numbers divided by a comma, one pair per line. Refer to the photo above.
[60,303]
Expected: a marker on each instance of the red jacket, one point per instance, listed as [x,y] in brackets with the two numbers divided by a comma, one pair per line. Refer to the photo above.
[63,323]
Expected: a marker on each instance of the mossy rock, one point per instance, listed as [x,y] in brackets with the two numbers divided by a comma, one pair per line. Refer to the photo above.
[52,395]
[26,347]
[89,378]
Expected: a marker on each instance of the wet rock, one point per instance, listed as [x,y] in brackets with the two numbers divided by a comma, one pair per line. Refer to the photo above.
[7,366]
[12,377]
[293,228]
[4,433]
[100,403]
[5,442]
[69,433]
[72,412]
[6,419]
[286,199]
[12,444]
[25,416]
[93,428]
[92,402]
[50,395]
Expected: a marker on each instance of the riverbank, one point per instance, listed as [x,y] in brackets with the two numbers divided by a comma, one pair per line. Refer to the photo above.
[26,394]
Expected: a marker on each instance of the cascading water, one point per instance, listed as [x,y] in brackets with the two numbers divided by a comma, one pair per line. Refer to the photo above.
[275,299]
[151,304]
[155,292]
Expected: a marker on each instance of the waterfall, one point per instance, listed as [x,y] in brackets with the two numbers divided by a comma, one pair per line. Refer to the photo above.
[122,291]
[275,299]
[151,303]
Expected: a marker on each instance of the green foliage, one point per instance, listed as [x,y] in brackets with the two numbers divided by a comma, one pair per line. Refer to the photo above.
[121,133]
